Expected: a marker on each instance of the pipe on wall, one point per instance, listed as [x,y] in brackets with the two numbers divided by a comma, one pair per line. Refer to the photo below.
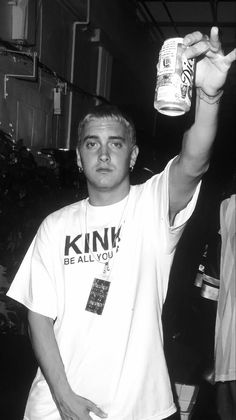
[75,25]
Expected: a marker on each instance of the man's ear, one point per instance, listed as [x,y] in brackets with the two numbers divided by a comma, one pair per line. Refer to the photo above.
[79,162]
[134,155]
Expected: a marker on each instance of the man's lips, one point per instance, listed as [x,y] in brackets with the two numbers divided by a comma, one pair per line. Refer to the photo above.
[103,170]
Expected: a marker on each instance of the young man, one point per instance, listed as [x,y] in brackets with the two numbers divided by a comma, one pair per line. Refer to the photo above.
[96,275]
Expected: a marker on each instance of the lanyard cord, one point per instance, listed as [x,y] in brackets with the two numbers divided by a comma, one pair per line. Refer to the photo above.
[106,264]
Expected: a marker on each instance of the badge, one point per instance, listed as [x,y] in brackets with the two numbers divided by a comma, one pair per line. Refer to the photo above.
[98,295]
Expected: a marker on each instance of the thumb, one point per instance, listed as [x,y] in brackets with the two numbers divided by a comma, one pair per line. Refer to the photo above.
[229,58]
[97,410]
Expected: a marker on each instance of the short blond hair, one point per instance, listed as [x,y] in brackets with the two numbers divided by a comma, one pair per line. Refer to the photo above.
[110,112]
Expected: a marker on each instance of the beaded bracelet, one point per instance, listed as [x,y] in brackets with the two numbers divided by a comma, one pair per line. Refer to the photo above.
[210,99]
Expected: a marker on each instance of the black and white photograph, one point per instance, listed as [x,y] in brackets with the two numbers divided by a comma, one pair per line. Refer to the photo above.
[117,210]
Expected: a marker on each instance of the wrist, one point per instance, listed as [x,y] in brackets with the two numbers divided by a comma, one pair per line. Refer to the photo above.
[60,389]
[209,99]
[61,394]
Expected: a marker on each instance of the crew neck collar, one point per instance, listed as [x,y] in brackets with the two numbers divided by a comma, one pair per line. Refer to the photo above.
[108,206]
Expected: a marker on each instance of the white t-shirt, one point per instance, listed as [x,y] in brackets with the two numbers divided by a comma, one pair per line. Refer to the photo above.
[109,332]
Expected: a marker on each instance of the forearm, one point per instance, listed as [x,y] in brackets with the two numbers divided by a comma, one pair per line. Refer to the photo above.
[47,353]
[193,161]
[199,139]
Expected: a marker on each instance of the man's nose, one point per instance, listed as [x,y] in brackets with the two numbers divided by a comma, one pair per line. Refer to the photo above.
[104,155]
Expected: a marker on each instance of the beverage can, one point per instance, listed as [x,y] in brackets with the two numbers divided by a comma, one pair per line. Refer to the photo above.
[175,74]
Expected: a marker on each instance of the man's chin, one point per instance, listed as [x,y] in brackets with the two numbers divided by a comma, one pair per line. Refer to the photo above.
[102,185]
[104,180]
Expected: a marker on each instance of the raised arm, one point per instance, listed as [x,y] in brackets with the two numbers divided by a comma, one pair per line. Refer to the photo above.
[193,161]
[70,405]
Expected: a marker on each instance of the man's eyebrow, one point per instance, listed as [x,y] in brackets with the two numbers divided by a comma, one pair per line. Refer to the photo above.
[95,137]
[117,138]
[90,137]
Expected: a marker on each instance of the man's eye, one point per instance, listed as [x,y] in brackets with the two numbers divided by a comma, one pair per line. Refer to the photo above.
[91,144]
[117,144]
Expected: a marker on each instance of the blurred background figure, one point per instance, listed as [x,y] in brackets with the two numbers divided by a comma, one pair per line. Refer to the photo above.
[225,354]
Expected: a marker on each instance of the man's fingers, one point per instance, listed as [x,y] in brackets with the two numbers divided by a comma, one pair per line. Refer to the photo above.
[214,38]
[198,49]
[229,58]
[198,44]
[96,410]
[192,38]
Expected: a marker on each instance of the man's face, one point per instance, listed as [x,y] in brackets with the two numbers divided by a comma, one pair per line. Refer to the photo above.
[106,153]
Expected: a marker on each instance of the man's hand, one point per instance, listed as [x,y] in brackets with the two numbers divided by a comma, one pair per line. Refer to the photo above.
[74,407]
[211,64]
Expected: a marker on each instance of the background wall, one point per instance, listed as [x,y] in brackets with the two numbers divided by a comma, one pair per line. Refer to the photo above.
[98,56]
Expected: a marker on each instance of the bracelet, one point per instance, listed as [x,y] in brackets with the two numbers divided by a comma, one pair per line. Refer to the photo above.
[210,99]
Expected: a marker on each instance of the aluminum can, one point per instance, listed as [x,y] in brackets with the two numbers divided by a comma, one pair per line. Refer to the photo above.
[175,75]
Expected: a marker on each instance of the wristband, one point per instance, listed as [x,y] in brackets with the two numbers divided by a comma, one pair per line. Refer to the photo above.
[210,99]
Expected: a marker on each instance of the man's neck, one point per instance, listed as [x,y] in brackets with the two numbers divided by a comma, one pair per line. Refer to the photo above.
[106,198]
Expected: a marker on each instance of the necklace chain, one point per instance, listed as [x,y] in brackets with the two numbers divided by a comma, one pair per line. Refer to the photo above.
[106,264]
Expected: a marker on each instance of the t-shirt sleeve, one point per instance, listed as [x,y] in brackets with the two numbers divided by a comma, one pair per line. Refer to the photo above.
[160,193]
[34,283]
